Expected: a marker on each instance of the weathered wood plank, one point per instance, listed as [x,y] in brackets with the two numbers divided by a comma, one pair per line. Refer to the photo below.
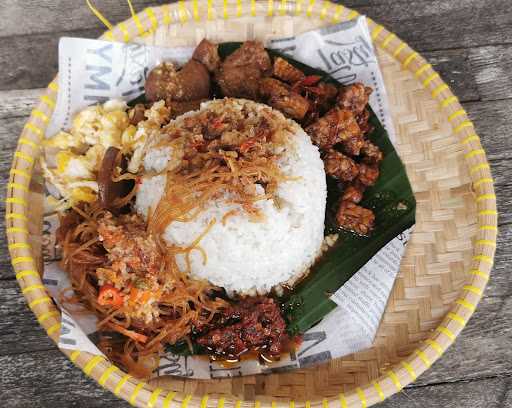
[17,103]
[487,393]
[30,60]
[54,16]
[48,379]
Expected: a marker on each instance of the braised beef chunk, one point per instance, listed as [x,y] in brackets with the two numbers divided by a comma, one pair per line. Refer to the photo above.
[340,166]
[239,82]
[354,97]
[193,82]
[179,108]
[279,95]
[250,53]
[371,153]
[161,82]
[287,72]
[253,324]
[239,75]
[190,83]
[207,53]
[335,126]
[355,218]
[368,174]
[353,193]
[137,114]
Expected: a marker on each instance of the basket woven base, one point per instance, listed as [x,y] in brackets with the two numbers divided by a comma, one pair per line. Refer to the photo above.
[448,258]
[438,254]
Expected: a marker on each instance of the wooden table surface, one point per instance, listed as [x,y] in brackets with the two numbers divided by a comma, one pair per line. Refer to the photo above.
[468,41]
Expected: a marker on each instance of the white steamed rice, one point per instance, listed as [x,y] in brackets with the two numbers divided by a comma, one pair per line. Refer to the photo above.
[252,257]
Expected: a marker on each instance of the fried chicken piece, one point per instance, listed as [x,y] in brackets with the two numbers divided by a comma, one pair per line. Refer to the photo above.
[287,72]
[368,174]
[355,218]
[371,153]
[340,166]
[207,53]
[354,97]
[353,193]
[335,126]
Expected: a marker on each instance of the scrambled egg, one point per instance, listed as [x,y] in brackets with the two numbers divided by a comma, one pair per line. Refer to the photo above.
[76,155]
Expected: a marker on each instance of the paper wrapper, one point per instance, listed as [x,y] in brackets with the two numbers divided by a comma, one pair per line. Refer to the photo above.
[92,71]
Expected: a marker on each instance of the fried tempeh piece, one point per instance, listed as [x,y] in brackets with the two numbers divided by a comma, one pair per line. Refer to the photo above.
[353,145]
[287,72]
[368,174]
[280,96]
[353,217]
[332,128]
[340,166]
[354,97]
[363,122]
[371,153]
[353,193]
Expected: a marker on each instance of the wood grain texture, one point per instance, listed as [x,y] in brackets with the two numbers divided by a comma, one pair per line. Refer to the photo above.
[426,25]
[468,41]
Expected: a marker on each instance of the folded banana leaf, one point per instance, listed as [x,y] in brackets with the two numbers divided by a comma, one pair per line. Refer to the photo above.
[392,202]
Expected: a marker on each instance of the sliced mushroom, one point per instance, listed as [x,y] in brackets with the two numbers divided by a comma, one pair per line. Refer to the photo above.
[109,190]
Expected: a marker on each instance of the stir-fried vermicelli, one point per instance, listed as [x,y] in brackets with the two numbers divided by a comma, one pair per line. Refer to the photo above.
[129,279]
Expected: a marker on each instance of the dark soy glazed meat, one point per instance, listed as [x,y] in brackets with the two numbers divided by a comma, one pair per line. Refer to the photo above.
[281,97]
[286,72]
[340,167]
[254,324]
[355,218]
[354,97]
[332,128]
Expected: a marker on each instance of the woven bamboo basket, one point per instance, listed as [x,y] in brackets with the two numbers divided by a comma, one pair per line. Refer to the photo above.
[447,262]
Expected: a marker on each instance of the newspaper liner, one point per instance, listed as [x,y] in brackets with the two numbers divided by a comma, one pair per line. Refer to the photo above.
[118,70]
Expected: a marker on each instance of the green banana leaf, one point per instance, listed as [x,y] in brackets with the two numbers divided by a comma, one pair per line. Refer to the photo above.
[393,203]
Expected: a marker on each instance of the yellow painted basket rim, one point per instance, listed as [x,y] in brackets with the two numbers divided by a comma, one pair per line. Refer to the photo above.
[141,394]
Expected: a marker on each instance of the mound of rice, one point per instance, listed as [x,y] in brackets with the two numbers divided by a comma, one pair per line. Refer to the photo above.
[244,256]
